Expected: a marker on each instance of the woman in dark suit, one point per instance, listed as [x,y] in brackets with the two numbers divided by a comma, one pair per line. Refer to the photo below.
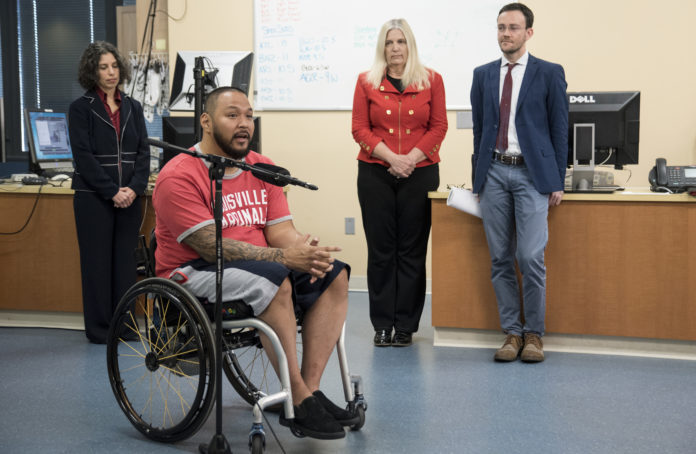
[109,142]
[399,121]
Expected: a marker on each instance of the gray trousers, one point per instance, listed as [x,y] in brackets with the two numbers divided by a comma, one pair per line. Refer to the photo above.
[515,221]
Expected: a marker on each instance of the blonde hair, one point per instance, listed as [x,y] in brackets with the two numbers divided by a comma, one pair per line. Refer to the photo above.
[414,71]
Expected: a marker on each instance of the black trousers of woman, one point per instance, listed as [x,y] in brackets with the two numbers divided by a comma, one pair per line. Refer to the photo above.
[107,237]
[396,220]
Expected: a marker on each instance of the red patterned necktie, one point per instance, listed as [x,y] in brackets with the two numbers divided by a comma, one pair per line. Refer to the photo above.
[502,142]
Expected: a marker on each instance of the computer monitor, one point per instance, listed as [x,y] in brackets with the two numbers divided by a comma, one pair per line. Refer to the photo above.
[179,131]
[604,128]
[49,141]
[222,68]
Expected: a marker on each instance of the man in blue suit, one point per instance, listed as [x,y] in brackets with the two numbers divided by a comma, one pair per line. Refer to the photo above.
[520,116]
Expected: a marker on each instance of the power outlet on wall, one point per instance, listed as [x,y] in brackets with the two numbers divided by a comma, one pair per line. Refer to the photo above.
[350,226]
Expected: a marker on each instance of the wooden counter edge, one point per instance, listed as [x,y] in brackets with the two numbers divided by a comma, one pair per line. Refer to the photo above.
[632,195]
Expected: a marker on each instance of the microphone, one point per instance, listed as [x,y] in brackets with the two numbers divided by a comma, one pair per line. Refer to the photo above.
[277,176]
[257,171]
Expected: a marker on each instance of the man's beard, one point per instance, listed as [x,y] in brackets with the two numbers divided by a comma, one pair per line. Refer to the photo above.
[511,51]
[226,147]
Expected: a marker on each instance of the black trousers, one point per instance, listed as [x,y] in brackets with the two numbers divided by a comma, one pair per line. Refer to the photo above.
[396,220]
[107,237]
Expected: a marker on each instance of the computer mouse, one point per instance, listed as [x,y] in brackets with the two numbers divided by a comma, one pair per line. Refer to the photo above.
[60,177]
[583,185]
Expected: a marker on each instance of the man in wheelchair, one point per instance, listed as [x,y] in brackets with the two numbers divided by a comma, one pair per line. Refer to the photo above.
[269,265]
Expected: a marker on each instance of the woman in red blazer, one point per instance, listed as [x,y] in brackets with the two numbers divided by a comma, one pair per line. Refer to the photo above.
[399,121]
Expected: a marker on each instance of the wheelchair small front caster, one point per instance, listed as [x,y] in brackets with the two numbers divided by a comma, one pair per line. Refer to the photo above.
[361,412]
[358,406]
[257,444]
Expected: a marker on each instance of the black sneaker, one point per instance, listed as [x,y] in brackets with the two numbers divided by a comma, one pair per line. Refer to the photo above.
[343,416]
[312,420]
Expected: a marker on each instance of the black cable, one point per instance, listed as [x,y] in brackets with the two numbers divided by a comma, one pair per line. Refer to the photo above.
[263,414]
[172,17]
[212,68]
[268,423]
[36,201]
[148,30]
[151,15]
[142,222]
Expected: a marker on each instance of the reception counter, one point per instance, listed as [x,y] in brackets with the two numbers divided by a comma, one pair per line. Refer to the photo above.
[620,264]
[40,266]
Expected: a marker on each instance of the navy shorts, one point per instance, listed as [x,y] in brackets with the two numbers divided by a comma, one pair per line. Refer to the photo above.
[253,283]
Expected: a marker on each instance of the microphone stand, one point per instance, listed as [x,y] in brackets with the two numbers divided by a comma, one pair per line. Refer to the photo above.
[198,73]
[219,444]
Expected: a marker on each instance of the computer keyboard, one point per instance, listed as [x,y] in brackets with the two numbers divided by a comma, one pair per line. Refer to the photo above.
[596,190]
[34,180]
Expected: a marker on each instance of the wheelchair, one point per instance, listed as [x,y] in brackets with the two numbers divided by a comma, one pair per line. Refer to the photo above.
[161,362]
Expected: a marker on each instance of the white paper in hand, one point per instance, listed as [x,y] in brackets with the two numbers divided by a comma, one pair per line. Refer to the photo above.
[464,200]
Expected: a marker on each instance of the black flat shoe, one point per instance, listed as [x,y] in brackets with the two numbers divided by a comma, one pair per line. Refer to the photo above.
[312,420]
[341,415]
[382,338]
[402,339]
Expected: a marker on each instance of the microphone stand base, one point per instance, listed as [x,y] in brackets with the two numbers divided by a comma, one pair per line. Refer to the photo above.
[218,445]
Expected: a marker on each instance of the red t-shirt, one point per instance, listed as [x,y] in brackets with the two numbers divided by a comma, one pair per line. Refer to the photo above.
[182,200]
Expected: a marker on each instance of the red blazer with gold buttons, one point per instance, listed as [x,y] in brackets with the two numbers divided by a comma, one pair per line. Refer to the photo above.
[414,118]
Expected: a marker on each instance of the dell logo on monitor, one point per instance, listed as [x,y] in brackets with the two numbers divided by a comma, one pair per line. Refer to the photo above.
[579,99]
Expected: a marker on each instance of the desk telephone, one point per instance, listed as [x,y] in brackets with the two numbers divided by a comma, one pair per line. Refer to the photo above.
[671,178]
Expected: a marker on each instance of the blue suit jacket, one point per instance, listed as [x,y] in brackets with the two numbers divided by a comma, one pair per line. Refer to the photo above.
[541,120]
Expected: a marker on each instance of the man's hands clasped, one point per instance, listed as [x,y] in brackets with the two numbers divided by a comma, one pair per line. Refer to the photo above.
[307,256]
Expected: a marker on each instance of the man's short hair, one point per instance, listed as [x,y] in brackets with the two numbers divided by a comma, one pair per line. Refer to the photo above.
[212,97]
[521,7]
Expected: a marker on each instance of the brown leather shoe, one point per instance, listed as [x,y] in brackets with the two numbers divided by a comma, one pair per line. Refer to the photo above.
[510,349]
[533,351]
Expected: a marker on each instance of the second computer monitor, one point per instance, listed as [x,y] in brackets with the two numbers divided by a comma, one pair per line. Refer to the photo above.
[616,119]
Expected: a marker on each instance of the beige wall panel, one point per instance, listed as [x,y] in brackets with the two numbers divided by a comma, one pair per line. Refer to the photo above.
[125,29]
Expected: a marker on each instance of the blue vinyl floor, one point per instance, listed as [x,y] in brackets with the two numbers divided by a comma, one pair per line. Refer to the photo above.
[55,398]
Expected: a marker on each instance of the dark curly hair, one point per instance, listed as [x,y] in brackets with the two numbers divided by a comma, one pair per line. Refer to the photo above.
[88,72]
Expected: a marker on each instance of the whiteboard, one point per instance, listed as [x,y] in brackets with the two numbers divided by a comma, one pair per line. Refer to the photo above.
[309,52]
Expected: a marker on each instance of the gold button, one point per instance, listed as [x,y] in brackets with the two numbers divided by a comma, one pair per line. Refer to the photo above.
[381,88]
[410,112]
[413,96]
[368,148]
[408,131]
[391,131]
[388,111]
[386,97]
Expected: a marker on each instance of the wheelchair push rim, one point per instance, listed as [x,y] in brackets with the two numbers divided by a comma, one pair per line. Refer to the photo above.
[160,357]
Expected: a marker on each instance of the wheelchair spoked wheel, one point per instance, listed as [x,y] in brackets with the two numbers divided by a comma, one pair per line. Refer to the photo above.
[247,366]
[161,360]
